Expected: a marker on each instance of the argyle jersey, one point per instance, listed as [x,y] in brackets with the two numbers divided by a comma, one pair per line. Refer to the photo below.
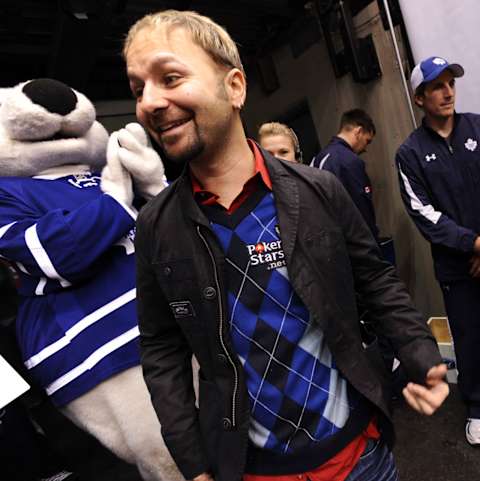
[297,395]
[72,246]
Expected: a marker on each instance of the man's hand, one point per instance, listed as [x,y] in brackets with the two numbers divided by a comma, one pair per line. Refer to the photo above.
[475,266]
[203,477]
[141,160]
[427,399]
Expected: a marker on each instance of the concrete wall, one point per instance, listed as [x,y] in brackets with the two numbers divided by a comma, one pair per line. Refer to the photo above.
[311,77]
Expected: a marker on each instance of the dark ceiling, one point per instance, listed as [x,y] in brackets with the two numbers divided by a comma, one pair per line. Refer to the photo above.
[79,41]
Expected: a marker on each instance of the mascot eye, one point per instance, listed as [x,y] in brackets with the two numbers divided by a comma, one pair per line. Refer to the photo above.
[54,96]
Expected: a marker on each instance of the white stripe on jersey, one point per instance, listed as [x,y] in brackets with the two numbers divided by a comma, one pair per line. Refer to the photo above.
[92,360]
[322,162]
[426,211]
[4,229]
[39,290]
[40,255]
[80,326]
[22,268]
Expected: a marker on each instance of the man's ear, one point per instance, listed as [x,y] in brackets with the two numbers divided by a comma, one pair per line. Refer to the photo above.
[358,130]
[419,100]
[236,87]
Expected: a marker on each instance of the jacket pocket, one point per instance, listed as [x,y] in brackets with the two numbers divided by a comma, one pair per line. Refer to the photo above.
[178,282]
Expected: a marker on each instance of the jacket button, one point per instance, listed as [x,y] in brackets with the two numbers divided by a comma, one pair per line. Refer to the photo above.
[226,424]
[209,293]
[167,271]
[222,359]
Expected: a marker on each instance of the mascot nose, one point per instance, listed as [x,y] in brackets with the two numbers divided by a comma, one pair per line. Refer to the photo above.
[54,96]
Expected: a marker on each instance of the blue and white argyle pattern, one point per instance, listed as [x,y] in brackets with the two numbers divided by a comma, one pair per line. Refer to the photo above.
[297,395]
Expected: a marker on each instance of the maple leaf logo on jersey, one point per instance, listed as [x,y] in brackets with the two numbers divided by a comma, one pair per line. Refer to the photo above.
[439,61]
[471,145]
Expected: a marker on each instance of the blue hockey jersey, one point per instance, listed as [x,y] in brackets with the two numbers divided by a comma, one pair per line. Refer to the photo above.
[73,248]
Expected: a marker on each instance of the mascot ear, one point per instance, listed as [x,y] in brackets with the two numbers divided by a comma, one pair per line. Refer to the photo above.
[43,108]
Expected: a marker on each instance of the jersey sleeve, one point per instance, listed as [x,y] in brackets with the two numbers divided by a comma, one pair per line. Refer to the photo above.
[433,224]
[61,244]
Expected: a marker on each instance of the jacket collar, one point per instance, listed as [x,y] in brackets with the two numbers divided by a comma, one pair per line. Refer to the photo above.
[287,199]
[339,140]
[190,208]
[456,121]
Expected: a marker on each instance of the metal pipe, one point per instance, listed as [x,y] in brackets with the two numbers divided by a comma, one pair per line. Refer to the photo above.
[399,60]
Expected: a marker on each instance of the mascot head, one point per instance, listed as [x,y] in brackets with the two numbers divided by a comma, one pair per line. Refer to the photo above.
[45,125]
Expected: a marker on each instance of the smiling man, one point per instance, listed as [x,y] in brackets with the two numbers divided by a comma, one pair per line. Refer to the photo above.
[250,262]
[439,172]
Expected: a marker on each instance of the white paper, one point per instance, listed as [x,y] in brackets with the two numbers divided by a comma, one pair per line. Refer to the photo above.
[12,384]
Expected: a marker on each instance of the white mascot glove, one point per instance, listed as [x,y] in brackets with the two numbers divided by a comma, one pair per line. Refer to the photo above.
[143,163]
[116,180]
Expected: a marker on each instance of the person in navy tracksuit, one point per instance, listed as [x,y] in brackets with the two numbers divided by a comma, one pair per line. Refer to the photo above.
[341,157]
[439,173]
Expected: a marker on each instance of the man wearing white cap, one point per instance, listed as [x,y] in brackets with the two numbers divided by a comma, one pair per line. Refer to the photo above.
[439,172]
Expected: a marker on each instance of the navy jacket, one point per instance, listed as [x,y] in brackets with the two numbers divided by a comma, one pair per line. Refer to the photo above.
[440,186]
[339,158]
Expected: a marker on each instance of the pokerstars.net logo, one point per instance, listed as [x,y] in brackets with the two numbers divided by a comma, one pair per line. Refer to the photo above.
[270,253]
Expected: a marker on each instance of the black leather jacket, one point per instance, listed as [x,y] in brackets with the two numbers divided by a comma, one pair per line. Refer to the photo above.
[330,254]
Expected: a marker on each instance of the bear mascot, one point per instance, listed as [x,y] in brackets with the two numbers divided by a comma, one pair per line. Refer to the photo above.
[67,223]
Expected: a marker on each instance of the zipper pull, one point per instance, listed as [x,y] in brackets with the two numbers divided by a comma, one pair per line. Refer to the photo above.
[450,148]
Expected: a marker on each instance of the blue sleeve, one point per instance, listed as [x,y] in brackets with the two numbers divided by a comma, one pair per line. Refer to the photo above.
[61,244]
[434,225]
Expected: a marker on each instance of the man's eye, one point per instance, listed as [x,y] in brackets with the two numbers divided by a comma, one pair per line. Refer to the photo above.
[170,79]
[137,92]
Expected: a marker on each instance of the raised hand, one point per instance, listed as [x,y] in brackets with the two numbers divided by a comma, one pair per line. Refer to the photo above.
[116,179]
[143,163]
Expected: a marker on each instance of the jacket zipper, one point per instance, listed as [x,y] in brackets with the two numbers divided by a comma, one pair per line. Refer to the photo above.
[220,329]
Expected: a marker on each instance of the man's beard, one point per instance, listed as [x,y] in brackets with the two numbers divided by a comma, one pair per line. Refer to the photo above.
[194,149]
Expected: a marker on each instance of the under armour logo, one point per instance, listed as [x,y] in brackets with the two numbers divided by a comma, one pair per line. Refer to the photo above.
[430,157]
[439,61]
[471,144]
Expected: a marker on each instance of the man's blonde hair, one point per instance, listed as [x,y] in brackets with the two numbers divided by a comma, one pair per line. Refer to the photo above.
[210,36]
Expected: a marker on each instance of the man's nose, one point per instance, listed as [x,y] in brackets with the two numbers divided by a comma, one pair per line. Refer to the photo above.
[153,98]
[449,91]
